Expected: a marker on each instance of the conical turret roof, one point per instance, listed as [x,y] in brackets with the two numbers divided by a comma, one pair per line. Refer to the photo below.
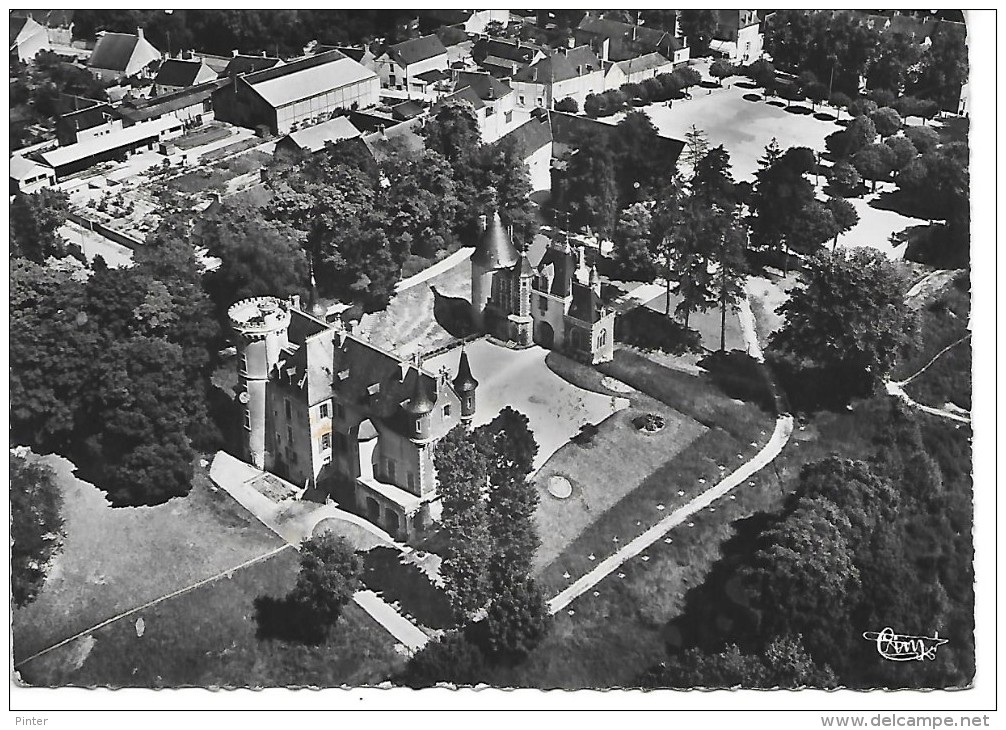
[420,403]
[465,381]
[495,250]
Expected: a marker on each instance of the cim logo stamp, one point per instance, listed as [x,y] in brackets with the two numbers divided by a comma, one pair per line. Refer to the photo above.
[904,647]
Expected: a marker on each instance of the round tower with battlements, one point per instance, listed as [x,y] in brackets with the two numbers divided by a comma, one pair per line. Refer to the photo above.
[261,325]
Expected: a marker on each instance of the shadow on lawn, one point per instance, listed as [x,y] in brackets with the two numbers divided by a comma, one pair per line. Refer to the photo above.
[286,619]
[408,586]
[452,313]
[752,97]
[746,84]
[740,376]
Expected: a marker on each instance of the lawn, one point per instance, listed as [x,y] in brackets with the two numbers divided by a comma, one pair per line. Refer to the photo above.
[417,319]
[707,323]
[207,638]
[116,559]
[946,380]
[733,431]
[608,639]
[941,323]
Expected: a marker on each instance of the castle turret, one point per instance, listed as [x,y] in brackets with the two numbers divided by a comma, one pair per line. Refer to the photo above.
[261,325]
[494,251]
[465,385]
[595,280]
[418,408]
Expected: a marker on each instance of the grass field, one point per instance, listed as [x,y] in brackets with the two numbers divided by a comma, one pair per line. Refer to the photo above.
[115,559]
[207,638]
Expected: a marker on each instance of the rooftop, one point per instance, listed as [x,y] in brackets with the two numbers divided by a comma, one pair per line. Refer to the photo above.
[176,72]
[113,51]
[116,138]
[307,77]
[417,49]
[315,138]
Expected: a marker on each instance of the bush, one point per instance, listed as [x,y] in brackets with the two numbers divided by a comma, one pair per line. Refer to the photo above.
[886,120]
[568,105]
[845,179]
[452,659]
[595,105]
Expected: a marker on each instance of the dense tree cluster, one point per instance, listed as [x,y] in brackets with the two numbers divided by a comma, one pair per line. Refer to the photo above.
[36,530]
[277,32]
[663,87]
[488,526]
[840,47]
[35,220]
[110,366]
[858,545]
[848,322]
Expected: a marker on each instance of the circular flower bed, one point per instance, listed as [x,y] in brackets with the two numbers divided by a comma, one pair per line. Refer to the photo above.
[559,487]
[650,422]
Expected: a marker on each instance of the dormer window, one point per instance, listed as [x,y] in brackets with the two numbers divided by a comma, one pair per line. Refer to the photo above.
[447,411]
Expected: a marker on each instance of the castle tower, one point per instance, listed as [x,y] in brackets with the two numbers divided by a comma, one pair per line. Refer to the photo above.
[261,326]
[465,385]
[595,280]
[418,408]
[494,252]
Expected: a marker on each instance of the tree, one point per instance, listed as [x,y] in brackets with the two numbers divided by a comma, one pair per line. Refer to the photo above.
[35,220]
[638,170]
[903,151]
[790,666]
[893,62]
[698,26]
[568,105]
[694,668]
[845,178]
[452,659]
[516,621]
[813,225]
[882,97]
[763,73]
[36,526]
[779,197]
[731,270]
[845,216]
[330,573]
[817,92]
[631,256]
[840,101]
[687,76]
[944,66]
[258,257]
[593,105]
[712,181]
[421,201]
[874,162]
[690,251]
[925,139]
[696,147]
[849,317]
[860,132]
[862,107]
[503,169]
[589,190]
[886,121]
[721,69]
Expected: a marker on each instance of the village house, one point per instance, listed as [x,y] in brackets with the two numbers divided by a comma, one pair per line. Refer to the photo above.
[738,35]
[472,22]
[413,67]
[27,38]
[613,40]
[492,101]
[635,70]
[574,73]
[119,56]
[325,409]
[29,176]
[534,139]
[84,118]
[58,24]
[193,106]
[504,58]
[316,138]
[299,93]
[240,64]
[176,74]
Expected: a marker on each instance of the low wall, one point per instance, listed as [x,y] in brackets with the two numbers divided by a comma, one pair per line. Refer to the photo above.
[109,233]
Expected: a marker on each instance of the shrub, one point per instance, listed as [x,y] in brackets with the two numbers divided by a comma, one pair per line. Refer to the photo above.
[845,179]
[568,105]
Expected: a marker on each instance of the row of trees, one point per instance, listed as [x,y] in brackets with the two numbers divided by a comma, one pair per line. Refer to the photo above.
[840,47]
[662,87]
[488,526]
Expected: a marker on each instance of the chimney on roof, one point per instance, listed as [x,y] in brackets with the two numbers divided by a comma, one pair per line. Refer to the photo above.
[139,33]
[234,53]
[635,32]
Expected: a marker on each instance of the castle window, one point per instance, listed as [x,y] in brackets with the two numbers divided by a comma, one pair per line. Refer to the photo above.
[326,441]
[447,411]
[543,304]
[248,420]
[289,434]
[419,425]
[602,338]
[323,411]
[244,362]
[289,409]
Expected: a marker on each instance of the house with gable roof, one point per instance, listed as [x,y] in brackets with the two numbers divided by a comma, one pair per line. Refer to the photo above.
[413,66]
[27,38]
[122,55]
[493,102]
[575,72]
[176,74]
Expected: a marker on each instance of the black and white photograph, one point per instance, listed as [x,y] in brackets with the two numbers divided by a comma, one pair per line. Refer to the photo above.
[442,352]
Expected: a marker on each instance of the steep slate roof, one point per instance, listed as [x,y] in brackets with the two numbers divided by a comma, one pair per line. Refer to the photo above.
[586,305]
[241,64]
[495,250]
[415,50]
[531,136]
[406,110]
[176,72]
[308,361]
[307,77]
[616,29]
[548,70]
[432,76]
[16,24]
[113,51]
[485,86]
[519,51]
[466,94]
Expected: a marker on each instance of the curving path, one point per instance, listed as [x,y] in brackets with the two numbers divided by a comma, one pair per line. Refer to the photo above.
[780,437]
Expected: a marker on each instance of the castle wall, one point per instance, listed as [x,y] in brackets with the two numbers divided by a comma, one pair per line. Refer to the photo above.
[551,310]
